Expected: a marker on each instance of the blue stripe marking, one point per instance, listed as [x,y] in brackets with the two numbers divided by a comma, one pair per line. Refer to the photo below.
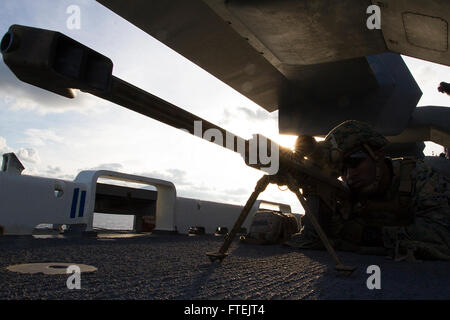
[74,202]
[82,200]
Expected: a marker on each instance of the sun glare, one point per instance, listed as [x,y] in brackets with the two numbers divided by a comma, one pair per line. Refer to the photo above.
[285,140]
[288,141]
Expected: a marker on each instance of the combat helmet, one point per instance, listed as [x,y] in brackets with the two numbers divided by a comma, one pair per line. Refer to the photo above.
[352,135]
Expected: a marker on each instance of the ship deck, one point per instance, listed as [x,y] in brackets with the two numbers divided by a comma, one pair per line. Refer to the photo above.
[175,267]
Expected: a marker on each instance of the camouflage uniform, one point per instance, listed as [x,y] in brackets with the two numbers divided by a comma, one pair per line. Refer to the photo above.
[429,235]
[417,192]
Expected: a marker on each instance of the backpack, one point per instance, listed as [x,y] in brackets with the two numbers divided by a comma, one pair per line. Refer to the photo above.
[271,227]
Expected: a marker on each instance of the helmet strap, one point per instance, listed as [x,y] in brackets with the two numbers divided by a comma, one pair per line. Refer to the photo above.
[375,185]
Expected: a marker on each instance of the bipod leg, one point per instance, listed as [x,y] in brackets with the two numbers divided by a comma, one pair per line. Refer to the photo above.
[222,253]
[311,216]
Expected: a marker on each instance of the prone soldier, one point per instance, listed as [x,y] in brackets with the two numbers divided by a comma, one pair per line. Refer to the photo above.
[399,206]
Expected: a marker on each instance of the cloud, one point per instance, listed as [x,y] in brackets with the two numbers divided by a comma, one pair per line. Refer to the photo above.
[176,176]
[238,191]
[55,172]
[192,189]
[108,166]
[19,95]
[247,114]
[4,148]
[28,155]
[40,137]
[257,115]
[231,196]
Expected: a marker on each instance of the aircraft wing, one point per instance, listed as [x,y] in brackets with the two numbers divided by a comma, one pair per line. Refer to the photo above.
[315,61]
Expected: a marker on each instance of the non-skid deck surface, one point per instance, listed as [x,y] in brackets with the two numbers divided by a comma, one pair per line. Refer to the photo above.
[176,267]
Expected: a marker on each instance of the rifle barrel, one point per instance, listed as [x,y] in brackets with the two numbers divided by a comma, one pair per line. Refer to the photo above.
[57,63]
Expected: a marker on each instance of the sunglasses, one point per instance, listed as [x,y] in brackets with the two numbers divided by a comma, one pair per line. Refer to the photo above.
[354,160]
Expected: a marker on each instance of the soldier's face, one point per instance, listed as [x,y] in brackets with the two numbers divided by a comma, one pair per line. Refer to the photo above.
[359,170]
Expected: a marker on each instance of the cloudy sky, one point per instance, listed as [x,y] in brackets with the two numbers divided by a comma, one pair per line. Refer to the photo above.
[58,137]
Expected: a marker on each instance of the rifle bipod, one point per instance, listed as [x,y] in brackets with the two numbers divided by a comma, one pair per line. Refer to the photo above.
[294,187]
[221,254]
